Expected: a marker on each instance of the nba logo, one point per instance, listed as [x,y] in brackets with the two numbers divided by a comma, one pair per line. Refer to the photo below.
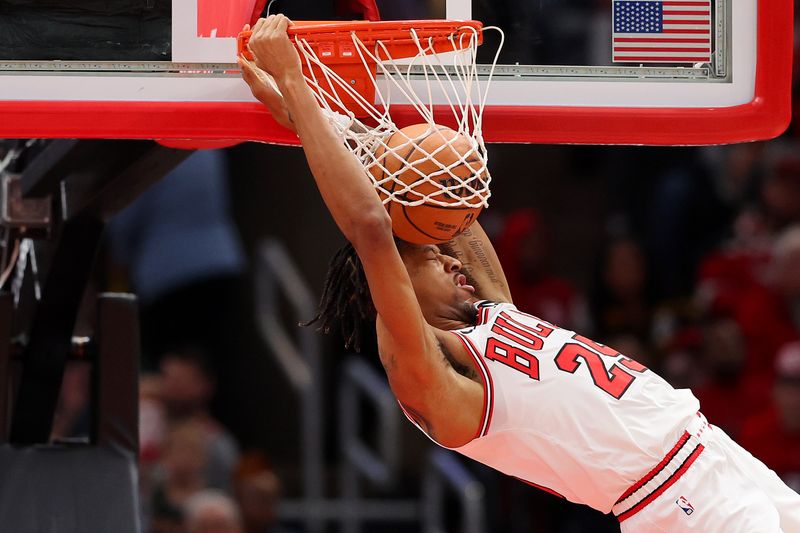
[684,504]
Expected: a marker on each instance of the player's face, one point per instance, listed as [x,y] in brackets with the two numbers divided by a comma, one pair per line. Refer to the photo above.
[441,288]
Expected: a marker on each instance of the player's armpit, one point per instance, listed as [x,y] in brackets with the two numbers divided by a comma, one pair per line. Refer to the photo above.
[454,410]
[480,263]
[446,405]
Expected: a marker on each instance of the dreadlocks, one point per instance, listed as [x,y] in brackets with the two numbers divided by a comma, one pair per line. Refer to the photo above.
[346,301]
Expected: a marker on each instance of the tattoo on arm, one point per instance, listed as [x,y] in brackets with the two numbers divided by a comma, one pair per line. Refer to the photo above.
[469,250]
[476,245]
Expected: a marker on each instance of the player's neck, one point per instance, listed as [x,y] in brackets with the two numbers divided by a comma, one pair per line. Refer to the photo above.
[466,316]
[451,325]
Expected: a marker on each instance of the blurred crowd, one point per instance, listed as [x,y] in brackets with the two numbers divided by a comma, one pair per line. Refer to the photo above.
[694,271]
[180,250]
[731,332]
[702,285]
[193,477]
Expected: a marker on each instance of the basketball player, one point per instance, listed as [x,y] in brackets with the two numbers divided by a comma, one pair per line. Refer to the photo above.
[508,389]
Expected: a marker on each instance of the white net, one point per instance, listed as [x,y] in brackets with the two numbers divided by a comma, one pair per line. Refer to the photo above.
[419,165]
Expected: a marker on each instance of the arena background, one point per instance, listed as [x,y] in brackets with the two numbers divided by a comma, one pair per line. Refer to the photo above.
[684,258]
[661,252]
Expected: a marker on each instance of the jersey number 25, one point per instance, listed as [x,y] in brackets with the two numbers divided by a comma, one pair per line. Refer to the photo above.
[615,381]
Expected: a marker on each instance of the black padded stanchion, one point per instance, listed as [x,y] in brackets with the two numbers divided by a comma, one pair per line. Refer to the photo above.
[6,310]
[88,487]
[116,386]
[54,489]
[46,354]
[92,487]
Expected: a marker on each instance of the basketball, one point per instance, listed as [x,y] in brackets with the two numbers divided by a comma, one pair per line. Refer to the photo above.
[441,171]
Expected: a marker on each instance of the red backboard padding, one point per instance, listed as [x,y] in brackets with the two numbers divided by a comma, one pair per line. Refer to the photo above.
[224,19]
[766,116]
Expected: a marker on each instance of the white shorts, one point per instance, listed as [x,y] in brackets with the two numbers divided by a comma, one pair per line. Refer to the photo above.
[725,490]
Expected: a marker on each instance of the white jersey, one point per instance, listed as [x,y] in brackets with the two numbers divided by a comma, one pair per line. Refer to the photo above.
[566,414]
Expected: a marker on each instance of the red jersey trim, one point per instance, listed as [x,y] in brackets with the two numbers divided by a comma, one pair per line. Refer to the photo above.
[483,311]
[542,487]
[488,385]
[413,420]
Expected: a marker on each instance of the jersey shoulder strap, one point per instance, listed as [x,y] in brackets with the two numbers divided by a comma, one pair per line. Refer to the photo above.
[486,308]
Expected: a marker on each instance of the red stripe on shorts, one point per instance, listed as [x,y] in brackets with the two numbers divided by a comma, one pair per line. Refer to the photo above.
[658,468]
[664,486]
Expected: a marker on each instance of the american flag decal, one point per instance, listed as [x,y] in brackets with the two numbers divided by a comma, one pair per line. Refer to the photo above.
[661,31]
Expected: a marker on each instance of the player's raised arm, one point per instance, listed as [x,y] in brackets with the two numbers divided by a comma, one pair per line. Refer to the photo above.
[345,188]
[340,177]
[480,263]
[418,371]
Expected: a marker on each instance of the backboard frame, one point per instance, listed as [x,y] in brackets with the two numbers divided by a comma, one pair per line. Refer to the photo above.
[219,123]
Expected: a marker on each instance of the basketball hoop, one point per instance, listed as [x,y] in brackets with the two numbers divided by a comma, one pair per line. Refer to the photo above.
[358,70]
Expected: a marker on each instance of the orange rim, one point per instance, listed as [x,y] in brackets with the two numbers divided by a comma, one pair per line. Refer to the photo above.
[393,34]
[370,32]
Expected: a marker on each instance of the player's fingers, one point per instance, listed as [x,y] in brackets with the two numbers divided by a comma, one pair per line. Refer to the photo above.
[248,72]
[259,25]
[254,77]
[251,72]
[279,25]
[266,27]
[282,24]
[272,20]
[246,27]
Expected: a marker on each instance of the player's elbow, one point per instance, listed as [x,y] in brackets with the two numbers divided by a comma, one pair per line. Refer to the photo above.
[371,228]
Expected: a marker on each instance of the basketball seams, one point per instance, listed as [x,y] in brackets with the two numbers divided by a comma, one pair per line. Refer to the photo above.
[415,226]
[407,215]
[383,167]
[426,170]
[415,143]
[394,182]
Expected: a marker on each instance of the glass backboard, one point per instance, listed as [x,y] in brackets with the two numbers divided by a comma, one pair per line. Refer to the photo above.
[571,71]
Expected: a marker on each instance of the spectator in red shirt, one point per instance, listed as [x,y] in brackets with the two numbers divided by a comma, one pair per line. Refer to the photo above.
[523,247]
[774,435]
[769,315]
[725,392]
